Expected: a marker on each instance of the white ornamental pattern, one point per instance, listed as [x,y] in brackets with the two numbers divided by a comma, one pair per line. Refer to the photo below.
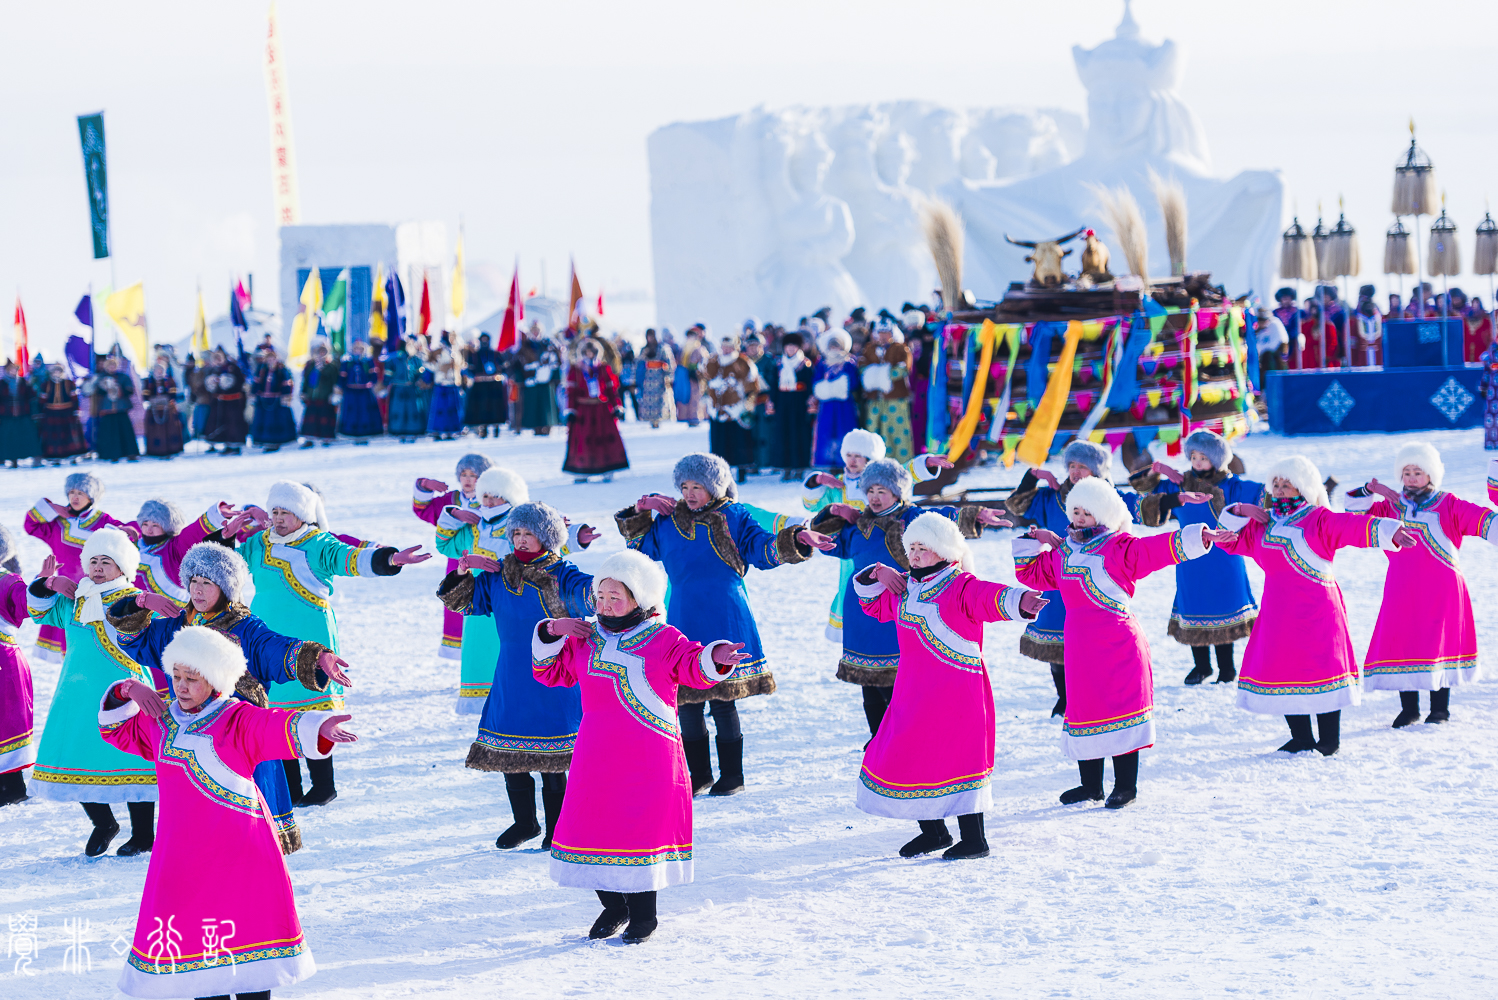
[1335,402]
[1452,399]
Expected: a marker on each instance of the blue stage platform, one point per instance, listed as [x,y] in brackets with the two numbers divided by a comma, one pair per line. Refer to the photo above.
[1359,400]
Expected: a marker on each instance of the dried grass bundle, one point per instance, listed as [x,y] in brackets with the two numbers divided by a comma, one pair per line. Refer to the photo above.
[1172,199]
[944,238]
[1122,213]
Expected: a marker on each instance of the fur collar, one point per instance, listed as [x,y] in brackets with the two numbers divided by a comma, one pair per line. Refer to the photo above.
[517,574]
[1208,483]
[892,524]
[686,520]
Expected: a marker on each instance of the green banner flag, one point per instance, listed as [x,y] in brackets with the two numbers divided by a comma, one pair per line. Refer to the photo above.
[91,136]
[335,313]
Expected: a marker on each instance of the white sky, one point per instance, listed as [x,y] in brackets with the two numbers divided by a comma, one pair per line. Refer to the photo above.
[528,120]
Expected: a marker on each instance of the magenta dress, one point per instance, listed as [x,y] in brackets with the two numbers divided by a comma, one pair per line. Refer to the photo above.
[626,823]
[1299,659]
[1437,648]
[232,926]
[65,536]
[933,754]
[161,561]
[17,744]
[1110,686]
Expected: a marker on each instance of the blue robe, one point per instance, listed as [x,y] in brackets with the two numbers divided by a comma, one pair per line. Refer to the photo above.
[1214,603]
[527,726]
[359,413]
[270,658]
[871,649]
[835,417]
[705,560]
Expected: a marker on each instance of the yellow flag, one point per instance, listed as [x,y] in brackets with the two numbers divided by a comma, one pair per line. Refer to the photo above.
[963,432]
[377,329]
[459,292]
[200,329]
[127,308]
[306,320]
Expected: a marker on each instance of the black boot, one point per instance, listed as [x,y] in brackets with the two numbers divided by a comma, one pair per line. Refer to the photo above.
[12,787]
[1226,671]
[105,828]
[1091,788]
[1409,709]
[142,829]
[1125,780]
[1058,677]
[875,704]
[323,790]
[1329,725]
[973,844]
[293,769]
[642,922]
[521,789]
[1203,668]
[553,789]
[614,916]
[1440,706]
[699,764]
[934,837]
[730,767]
[1301,739]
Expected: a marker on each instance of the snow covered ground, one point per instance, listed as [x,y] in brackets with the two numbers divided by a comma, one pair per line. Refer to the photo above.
[1238,872]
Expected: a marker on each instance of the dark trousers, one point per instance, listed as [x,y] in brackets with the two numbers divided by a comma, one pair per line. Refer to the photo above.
[1224,657]
[725,719]
[875,704]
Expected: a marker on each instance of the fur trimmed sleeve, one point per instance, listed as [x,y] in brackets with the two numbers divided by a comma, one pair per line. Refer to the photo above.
[788,550]
[307,671]
[127,616]
[633,523]
[967,522]
[252,690]
[830,524]
[1024,494]
[456,591]
[1145,480]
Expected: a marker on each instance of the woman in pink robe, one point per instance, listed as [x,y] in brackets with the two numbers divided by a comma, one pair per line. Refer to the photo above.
[933,755]
[626,825]
[1299,659]
[193,938]
[1438,649]
[1109,681]
[64,528]
[17,744]
[165,535]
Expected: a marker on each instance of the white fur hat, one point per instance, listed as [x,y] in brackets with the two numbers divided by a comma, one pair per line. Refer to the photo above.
[295,498]
[9,559]
[942,536]
[164,513]
[1301,473]
[861,442]
[1423,455]
[115,544]
[1099,498]
[218,660]
[643,576]
[475,463]
[503,483]
[87,482]
[841,339]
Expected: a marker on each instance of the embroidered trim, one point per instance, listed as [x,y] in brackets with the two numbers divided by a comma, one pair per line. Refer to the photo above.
[633,859]
[1109,725]
[954,786]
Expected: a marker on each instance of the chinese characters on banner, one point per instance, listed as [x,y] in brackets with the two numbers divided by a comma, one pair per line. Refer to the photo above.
[282,150]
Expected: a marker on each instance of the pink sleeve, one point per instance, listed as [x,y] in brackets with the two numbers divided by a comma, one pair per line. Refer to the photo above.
[429,506]
[883,606]
[1139,557]
[555,662]
[127,728]
[1037,570]
[983,601]
[42,523]
[1247,541]
[262,734]
[1471,519]
[13,599]
[195,532]
[1333,531]
[691,663]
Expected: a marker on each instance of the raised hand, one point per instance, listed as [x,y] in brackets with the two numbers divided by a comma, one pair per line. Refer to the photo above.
[465,515]
[145,696]
[1219,536]
[1046,537]
[892,578]
[729,656]
[657,502]
[828,479]
[163,606]
[991,517]
[1166,472]
[410,557]
[472,560]
[49,568]
[332,730]
[577,627]
[943,462]
[61,509]
[1374,486]
[846,511]
[1030,603]
[62,585]
[1251,511]
[1047,477]
[815,539]
[1404,538]
[431,485]
[132,531]
[335,667]
[1188,497]
[587,535]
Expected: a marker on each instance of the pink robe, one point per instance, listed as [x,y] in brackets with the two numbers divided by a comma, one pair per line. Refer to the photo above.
[1493,480]
[17,744]
[933,754]
[65,536]
[1299,659]
[626,822]
[1110,686]
[1425,638]
[429,507]
[161,562]
[217,914]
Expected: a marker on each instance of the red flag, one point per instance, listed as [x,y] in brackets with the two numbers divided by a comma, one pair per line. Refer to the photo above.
[425,316]
[509,331]
[23,348]
[600,302]
[574,314]
[241,295]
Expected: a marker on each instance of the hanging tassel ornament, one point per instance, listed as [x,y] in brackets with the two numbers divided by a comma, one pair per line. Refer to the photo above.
[1320,237]
[1297,256]
[1485,249]
[1344,258]
[1415,190]
[1399,250]
[1445,251]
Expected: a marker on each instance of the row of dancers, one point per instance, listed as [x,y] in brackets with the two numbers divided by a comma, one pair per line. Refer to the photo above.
[583,672]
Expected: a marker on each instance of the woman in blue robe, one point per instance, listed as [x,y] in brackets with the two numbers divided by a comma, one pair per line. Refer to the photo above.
[359,413]
[1041,500]
[526,726]
[1214,605]
[707,541]
[836,387]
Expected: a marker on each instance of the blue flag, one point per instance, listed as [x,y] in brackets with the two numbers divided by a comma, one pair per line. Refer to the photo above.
[395,312]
